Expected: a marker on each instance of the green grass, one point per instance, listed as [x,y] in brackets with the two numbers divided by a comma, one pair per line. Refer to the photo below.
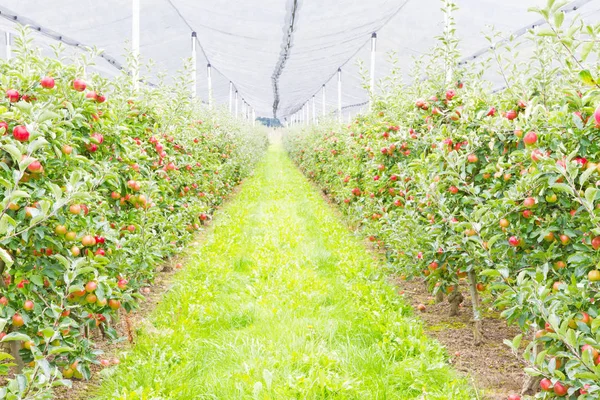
[281,301]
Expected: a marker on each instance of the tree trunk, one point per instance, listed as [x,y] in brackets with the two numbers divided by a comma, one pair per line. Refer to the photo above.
[14,351]
[2,283]
[439,297]
[455,299]
[477,323]
[532,383]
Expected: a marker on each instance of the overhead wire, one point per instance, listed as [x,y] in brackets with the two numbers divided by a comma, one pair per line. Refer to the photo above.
[18,19]
[202,49]
[368,41]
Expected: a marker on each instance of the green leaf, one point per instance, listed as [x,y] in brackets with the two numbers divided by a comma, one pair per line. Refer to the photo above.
[11,337]
[545,32]
[14,152]
[4,256]
[531,371]
[37,280]
[490,272]
[590,193]
[46,115]
[56,191]
[586,175]
[5,221]
[60,349]
[586,49]
[586,77]
[18,194]
[38,143]
[24,106]
[559,17]
[45,367]
[562,187]
[586,375]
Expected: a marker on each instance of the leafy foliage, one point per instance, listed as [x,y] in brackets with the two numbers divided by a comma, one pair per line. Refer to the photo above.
[456,180]
[100,183]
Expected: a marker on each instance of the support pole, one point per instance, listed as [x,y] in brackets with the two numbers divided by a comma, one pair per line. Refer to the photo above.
[305,114]
[194,58]
[339,95]
[236,103]
[209,77]
[314,111]
[372,84]
[230,97]
[8,46]
[307,106]
[135,43]
[324,102]
[253,117]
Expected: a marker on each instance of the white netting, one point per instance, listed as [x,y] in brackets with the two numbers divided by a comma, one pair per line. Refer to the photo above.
[278,54]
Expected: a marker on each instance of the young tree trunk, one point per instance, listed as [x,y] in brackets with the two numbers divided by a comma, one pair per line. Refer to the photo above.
[13,346]
[455,299]
[14,351]
[439,297]
[532,383]
[477,323]
[2,283]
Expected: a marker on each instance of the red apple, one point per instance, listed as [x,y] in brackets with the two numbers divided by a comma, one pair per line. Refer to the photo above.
[530,138]
[12,95]
[546,384]
[47,82]
[596,242]
[17,321]
[28,305]
[529,202]
[513,241]
[21,133]
[560,389]
[79,85]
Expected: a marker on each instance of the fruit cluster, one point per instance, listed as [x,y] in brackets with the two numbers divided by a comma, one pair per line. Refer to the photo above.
[498,188]
[100,183]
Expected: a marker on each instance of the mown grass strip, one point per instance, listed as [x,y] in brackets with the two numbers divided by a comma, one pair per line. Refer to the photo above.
[282,302]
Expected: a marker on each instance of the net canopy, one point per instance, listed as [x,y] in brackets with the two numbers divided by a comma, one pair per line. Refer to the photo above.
[278,55]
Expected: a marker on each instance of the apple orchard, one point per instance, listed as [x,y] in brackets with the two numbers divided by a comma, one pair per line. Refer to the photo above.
[99,185]
[489,196]
[495,193]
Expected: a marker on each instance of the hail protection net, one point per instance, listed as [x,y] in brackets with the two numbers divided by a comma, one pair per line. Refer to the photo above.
[281,57]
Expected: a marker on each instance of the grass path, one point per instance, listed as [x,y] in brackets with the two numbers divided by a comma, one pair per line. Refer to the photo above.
[282,302]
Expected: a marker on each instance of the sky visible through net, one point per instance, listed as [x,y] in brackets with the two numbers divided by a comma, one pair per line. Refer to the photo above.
[278,55]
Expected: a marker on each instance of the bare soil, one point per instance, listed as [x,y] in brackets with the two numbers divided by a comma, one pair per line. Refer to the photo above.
[495,371]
